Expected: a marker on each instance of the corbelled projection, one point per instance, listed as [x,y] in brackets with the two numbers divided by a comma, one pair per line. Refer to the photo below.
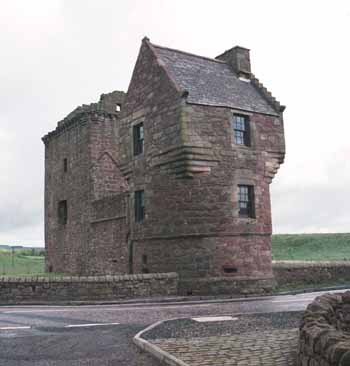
[172,176]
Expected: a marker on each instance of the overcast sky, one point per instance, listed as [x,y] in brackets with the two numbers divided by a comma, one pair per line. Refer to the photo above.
[57,54]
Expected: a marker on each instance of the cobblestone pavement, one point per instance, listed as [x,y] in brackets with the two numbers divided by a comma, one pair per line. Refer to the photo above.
[272,347]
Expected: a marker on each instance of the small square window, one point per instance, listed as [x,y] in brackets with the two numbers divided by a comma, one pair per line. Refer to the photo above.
[118,107]
[246,201]
[62,212]
[138,136]
[139,206]
[241,130]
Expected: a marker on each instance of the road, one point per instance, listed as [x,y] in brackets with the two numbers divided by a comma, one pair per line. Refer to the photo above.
[102,335]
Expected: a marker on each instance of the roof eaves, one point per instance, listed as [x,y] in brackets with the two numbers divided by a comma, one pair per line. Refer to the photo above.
[231,107]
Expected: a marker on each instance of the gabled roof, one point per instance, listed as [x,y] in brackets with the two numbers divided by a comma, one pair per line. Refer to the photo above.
[211,82]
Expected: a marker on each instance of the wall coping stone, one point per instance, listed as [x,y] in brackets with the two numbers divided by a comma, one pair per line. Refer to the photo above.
[95,279]
[307,264]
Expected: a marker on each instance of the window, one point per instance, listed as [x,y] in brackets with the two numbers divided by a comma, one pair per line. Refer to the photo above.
[138,139]
[65,165]
[241,130]
[139,206]
[246,201]
[118,107]
[62,212]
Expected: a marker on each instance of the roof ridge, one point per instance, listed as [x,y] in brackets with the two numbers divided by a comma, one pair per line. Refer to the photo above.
[188,53]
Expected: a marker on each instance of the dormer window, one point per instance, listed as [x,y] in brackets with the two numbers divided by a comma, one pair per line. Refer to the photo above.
[138,136]
[118,107]
[241,130]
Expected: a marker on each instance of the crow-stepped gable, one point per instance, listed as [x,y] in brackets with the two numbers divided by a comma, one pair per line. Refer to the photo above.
[172,176]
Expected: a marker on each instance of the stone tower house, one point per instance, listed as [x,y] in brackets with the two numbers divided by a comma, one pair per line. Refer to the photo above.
[174,175]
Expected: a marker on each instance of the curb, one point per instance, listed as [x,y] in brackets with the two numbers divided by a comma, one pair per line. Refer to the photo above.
[154,350]
[312,289]
[176,299]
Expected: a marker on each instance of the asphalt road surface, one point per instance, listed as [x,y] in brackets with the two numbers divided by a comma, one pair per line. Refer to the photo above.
[102,335]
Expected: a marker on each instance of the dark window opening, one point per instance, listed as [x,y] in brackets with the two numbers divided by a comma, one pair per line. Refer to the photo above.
[241,130]
[139,206]
[145,270]
[62,212]
[144,259]
[118,107]
[230,269]
[246,201]
[65,165]
[138,135]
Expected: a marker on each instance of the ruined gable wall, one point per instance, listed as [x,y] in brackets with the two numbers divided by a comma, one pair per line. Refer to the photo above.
[107,248]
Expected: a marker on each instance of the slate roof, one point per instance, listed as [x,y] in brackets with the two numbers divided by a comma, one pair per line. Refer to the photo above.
[211,82]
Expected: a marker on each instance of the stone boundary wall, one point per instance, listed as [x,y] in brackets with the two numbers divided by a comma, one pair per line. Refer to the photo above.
[310,272]
[324,338]
[27,290]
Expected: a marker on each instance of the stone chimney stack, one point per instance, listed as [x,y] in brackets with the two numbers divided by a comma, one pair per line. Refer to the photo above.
[238,58]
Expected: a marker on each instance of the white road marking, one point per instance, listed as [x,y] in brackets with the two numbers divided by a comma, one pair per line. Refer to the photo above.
[205,319]
[88,325]
[14,328]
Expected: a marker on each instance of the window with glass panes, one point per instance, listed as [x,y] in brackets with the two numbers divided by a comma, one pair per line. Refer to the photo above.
[246,201]
[138,133]
[241,130]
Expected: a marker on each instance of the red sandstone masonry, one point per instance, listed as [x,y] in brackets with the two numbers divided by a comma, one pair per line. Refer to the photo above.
[190,171]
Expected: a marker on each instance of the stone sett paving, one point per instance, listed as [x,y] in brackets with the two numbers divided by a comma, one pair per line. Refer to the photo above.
[272,347]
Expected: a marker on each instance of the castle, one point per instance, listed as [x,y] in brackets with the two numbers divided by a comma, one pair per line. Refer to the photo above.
[174,175]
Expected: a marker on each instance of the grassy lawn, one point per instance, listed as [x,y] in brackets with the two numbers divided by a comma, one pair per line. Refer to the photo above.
[18,264]
[317,247]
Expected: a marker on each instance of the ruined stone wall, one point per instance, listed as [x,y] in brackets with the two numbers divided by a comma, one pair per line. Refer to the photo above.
[108,251]
[64,243]
[74,289]
[94,239]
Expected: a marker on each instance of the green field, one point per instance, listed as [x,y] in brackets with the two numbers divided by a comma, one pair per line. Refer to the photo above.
[317,247]
[20,262]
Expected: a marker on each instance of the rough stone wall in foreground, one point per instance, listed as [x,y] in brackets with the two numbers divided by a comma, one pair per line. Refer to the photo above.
[102,288]
[325,332]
